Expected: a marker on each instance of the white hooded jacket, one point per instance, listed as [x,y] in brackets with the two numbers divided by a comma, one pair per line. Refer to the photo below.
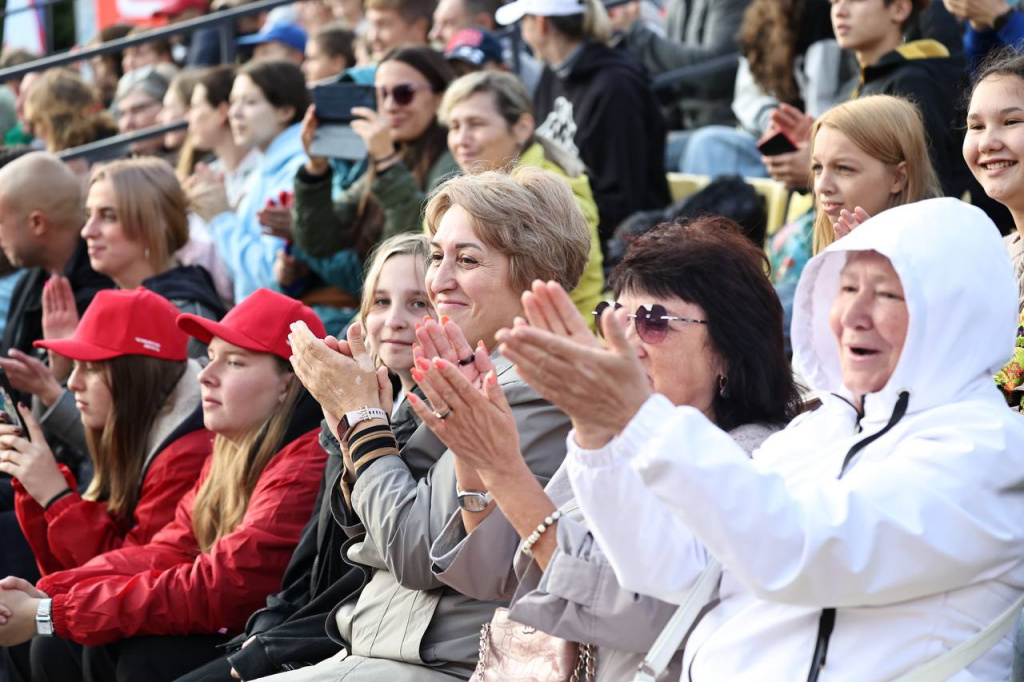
[918,546]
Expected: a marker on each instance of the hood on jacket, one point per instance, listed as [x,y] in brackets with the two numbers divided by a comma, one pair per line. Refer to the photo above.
[190,283]
[929,55]
[596,58]
[961,299]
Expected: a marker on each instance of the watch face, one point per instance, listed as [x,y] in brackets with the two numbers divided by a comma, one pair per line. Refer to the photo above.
[473,502]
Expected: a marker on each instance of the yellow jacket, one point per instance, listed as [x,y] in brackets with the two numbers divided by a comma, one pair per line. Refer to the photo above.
[587,293]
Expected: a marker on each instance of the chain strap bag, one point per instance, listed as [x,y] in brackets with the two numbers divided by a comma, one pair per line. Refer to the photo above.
[513,652]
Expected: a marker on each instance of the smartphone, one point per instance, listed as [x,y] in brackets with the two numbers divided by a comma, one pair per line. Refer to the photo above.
[10,405]
[779,143]
[334,102]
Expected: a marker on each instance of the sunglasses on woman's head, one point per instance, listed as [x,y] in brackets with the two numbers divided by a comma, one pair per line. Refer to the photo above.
[651,321]
[403,93]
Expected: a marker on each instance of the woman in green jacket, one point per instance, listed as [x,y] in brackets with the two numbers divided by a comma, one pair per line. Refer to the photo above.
[490,122]
[406,159]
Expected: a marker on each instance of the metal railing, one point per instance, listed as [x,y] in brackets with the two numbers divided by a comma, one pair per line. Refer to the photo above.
[223,20]
[118,146]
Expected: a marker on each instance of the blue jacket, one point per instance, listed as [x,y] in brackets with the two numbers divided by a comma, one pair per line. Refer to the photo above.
[247,252]
[977,44]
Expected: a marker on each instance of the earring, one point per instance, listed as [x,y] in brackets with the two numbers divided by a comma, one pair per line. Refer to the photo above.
[146,252]
[723,382]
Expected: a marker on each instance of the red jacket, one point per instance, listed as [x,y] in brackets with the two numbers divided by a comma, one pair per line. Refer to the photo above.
[74,530]
[168,588]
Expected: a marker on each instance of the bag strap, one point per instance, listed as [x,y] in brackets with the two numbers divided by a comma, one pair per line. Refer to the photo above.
[959,657]
[667,643]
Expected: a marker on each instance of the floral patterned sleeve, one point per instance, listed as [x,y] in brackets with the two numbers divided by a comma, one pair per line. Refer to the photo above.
[1010,378]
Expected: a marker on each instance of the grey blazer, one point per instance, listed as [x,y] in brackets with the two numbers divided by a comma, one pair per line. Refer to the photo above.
[577,598]
[404,617]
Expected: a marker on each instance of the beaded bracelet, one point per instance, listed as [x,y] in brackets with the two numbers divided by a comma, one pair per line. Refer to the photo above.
[531,540]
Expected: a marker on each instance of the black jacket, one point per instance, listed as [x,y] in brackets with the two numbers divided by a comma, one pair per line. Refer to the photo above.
[190,288]
[923,72]
[602,106]
[291,629]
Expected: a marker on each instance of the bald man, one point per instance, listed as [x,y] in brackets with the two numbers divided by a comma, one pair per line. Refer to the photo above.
[41,215]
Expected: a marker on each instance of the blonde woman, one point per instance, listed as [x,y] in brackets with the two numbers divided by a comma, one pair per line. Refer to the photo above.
[598,104]
[158,610]
[489,116]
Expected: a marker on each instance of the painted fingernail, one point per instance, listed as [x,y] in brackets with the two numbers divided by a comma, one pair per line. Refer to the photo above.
[492,378]
[413,400]
[417,375]
[444,320]
[423,364]
[418,325]
[439,363]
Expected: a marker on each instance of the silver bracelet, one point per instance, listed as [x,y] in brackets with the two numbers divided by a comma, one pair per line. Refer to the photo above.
[532,538]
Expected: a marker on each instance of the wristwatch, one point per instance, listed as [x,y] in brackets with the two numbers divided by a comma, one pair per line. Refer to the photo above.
[362,414]
[44,618]
[473,501]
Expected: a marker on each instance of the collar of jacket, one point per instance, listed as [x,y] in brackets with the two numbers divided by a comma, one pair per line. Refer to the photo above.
[914,50]
[282,149]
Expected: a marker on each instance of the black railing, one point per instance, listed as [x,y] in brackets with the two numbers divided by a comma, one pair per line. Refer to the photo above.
[118,146]
[223,20]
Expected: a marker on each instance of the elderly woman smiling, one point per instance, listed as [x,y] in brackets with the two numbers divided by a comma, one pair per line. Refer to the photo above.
[708,332]
[490,235]
[872,535]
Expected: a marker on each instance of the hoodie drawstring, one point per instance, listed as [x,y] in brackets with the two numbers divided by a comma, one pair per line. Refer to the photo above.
[827,621]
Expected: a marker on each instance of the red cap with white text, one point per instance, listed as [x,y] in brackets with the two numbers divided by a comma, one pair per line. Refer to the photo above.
[120,323]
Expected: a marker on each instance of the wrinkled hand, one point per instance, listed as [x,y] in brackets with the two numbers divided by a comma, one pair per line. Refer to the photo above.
[287,270]
[315,165]
[480,427]
[19,602]
[276,221]
[341,379]
[848,222]
[206,193]
[373,127]
[792,169]
[600,388]
[445,340]
[31,462]
[30,375]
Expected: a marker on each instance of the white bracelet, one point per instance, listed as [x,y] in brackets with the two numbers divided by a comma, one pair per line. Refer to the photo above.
[531,540]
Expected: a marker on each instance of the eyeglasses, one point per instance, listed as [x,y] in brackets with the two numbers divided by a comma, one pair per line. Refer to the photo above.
[651,321]
[403,93]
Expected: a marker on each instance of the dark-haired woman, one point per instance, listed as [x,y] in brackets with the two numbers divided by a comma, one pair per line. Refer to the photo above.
[268,101]
[407,157]
[697,294]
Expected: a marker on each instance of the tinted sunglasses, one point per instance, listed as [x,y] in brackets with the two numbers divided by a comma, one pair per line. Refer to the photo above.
[403,93]
[651,321]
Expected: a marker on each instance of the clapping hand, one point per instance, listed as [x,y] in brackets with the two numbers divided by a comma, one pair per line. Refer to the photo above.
[60,319]
[19,601]
[600,387]
[848,222]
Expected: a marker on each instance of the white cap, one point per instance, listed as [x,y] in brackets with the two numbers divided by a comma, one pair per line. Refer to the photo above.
[514,11]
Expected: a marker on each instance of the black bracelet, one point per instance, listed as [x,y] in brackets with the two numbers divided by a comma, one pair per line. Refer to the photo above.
[384,159]
[59,496]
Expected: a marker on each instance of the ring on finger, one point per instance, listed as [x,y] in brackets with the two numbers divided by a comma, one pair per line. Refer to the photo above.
[467,361]
[443,415]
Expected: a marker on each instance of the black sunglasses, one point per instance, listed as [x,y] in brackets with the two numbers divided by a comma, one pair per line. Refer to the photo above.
[403,93]
[651,321]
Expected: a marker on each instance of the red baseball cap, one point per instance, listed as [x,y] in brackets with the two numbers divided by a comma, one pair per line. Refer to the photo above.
[119,323]
[260,323]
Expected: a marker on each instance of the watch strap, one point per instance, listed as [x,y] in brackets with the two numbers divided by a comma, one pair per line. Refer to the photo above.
[44,618]
[350,419]
[473,501]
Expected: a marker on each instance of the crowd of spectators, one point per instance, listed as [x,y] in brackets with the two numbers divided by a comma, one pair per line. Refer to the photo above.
[382,351]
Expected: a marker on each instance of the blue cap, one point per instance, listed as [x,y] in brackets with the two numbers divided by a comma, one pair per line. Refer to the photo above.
[475,45]
[291,35]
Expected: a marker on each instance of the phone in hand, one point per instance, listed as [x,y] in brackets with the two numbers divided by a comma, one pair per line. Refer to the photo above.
[778,143]
[9,405]
[334,102]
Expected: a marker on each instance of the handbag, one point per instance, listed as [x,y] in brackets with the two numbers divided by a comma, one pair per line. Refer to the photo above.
[513,652]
